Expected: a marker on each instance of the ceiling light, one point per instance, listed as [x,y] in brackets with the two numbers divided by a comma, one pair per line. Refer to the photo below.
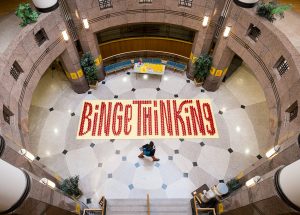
[145,76]
[227,31]
[47,182]
[55,130]
[26,154]
[124,79]
[205,21]
[65,35]
[86,23]
[166,78]
[272,151]
[238,129]
[253,181]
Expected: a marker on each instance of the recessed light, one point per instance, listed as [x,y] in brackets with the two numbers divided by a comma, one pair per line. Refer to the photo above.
[238,129]
[55,130]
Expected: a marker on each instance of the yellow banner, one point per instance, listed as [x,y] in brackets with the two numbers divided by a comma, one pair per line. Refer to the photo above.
[147,119]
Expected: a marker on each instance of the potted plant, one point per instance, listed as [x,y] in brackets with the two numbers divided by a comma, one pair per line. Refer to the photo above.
[26,14]
[70,187]
[88,65]
[233,185]
[271,10]
[202,67]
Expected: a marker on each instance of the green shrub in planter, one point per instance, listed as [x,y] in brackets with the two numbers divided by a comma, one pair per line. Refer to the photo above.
[272,10]
[88,65]
[70,187]
[26,14]
[233,185]
[202,67]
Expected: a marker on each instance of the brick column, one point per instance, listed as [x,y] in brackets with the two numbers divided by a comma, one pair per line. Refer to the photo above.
[71,64]
[222,58]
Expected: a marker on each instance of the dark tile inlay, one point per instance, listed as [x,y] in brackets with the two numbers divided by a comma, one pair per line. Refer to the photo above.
[99,164]
[128,73]
[176,151]
[109,175]
[137,165]
[124,158]
[51,109]
[37,158]
[130,186]
[116,96]
[89,201]
[164,186]
[158,89]
[221,181]
[118,152]
[73,114]
[112,140]
[230,150]
[133,89]
[181,139]
[186,175]
[243,106]
[195,164]
[170,158]
[202,144]
[202,90]
[103,82]
[259,157]
[65,151]
[89,92]
[188,81]
[92,145]
[176,95]
[157,164]
[220,112]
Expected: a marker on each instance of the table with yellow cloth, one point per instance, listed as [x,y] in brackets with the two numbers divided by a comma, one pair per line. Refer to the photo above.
[149,68]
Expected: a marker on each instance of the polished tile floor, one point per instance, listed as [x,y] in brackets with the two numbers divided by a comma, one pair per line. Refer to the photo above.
[112,168]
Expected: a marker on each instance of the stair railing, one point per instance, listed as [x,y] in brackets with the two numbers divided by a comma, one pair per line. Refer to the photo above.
[148,204]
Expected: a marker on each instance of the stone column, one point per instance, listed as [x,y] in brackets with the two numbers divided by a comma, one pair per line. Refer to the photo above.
[287,184]
[196,51]
[14,187]
[71,64]
[89,43]
[222,58]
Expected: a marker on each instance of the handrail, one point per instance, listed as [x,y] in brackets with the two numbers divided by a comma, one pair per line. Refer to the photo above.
[148,204]
[201,209]
[149,51]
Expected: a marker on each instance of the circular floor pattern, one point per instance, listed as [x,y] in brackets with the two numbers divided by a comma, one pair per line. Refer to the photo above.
[112,168]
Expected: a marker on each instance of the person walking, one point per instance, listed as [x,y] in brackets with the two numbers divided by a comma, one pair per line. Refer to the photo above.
[149,151]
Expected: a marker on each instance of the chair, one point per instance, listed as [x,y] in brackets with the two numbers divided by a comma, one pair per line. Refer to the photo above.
[197,203]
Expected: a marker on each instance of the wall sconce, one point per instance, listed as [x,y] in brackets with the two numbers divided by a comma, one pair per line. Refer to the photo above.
[86,23]
[253,181]
[26,154]
[65,35]
[205,21]
[272,151]
[227,31]
[47,182]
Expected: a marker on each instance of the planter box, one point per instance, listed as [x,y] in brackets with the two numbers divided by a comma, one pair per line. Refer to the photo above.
[94,86]
[198,84]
